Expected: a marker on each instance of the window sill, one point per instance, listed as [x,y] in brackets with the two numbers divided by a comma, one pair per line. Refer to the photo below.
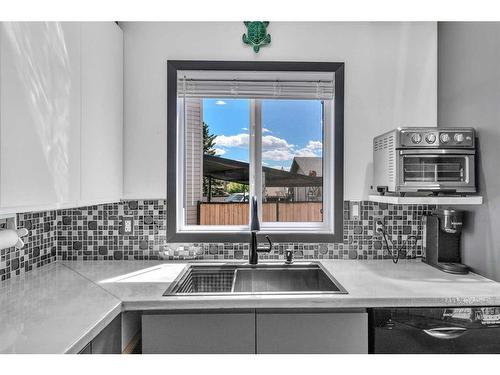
[243,237]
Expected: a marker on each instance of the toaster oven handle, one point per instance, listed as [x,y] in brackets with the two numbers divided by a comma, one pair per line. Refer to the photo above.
[445,333]
[432,186]
[437,151]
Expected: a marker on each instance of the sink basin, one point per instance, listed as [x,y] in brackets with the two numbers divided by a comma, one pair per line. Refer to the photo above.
[227,279]
[283,279]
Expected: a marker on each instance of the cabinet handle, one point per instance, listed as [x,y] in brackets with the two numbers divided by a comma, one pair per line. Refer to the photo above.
[445,333]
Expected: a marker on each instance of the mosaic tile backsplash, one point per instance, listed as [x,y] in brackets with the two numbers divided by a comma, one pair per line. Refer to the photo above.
[96,233]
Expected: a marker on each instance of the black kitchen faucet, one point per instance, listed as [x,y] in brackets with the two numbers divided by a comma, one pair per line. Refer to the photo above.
[254,228]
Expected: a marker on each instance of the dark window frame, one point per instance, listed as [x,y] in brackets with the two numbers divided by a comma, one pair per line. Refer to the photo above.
[338,199]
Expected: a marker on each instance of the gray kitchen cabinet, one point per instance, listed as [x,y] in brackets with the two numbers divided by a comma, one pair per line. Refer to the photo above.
[87,349]
[108,341]
[199,333]
[322,332]
[261,331]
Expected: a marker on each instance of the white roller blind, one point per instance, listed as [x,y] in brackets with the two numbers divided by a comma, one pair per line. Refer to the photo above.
[248,88]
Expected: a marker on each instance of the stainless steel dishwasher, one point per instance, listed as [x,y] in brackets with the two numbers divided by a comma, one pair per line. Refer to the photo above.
[435,330]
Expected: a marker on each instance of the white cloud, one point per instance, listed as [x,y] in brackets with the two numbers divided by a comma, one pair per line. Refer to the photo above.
[314,145]
[277,155]
[220,102]
[279,149]
[266,130]
[305,152]
[276,149]
[269,142]
[272,142]
[246,129]
[219,151]
[232,140]
[312,149]
[273,148]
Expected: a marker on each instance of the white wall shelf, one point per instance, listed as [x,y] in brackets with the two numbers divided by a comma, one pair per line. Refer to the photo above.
[449,201]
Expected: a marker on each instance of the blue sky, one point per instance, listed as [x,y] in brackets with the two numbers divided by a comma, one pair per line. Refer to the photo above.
[290,128]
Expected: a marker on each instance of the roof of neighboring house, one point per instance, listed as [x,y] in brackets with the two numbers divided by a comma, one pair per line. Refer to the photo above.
[307,164]
[237,171]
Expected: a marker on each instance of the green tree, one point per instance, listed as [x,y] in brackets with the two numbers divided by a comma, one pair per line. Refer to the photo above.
[208,141]
[236,187]
[209,149]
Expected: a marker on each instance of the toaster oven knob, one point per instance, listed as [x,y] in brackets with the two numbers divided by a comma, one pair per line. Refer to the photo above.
[445,138]
[430,138]
[459,137]
[416,138]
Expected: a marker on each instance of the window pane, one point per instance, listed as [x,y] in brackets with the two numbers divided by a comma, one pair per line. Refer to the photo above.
[216,161]
[292,160]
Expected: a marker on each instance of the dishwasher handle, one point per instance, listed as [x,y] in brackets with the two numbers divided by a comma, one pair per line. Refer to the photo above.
[445,333]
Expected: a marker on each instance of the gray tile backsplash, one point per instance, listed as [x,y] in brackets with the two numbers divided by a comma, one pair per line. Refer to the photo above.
[402,222]
[97,233]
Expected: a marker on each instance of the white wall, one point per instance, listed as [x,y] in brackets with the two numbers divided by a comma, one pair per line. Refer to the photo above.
[469,95]
[390,81]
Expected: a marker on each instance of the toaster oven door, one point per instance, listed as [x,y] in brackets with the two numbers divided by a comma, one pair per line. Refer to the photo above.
[436,171]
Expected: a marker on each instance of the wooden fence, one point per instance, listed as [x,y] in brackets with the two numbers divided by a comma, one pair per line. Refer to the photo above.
[228,213]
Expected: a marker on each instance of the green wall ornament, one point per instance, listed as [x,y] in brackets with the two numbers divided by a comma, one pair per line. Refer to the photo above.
[256,35]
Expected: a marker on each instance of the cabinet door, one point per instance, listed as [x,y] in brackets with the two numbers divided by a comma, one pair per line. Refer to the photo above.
[102,112]
[199,333]
[87,349]
[312,332]
[109,340]
[39,114]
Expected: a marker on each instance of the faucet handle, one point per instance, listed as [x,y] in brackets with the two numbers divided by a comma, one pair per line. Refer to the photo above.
[266,249]
[270,243]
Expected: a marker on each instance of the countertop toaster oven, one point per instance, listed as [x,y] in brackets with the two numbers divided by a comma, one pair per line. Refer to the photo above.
[425,160]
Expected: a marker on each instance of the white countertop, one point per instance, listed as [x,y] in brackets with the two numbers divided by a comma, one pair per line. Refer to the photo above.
[62,306]
[52,310]
[369,283]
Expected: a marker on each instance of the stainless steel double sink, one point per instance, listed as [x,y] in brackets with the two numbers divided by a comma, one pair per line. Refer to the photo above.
[266,278]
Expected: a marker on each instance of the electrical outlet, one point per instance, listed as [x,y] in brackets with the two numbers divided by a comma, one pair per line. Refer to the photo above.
[379,224]
[127,225]
[354,210]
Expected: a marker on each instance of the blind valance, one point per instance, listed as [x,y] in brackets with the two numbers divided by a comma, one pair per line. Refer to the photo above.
[269,89]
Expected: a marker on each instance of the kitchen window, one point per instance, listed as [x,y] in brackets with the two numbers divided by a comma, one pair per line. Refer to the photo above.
[269,130]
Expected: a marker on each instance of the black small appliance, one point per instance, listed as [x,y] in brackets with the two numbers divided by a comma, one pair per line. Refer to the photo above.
[442,232]
[435,330]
